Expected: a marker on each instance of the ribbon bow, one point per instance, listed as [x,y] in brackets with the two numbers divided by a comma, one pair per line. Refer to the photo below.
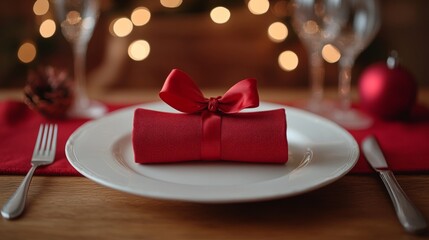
[181,93]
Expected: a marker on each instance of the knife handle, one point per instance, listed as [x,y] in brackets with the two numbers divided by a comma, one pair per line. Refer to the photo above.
[409,216]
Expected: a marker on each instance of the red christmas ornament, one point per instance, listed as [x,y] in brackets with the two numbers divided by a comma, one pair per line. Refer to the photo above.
[387,90]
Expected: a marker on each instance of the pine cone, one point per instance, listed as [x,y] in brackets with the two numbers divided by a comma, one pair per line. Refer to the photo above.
[49,92]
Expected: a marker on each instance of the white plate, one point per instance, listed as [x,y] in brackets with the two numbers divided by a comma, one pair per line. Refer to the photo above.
[320,152]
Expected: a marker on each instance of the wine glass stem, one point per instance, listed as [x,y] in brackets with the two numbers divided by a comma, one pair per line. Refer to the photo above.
[317,73]
[344,86]
[79,70]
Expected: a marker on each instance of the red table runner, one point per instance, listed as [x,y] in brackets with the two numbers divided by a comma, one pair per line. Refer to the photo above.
[405,143]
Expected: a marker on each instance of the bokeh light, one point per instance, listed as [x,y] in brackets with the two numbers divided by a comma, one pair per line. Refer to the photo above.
[47,28]
[140,16]
[121,27]
[311,27]
[139,50]
[330,53]
[27,52]
[288,60]
[220,15]
[171,3]
[258,7]
[73,18]
[277,32]
[41,7]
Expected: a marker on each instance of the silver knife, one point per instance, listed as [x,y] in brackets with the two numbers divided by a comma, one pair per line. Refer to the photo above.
[409,216]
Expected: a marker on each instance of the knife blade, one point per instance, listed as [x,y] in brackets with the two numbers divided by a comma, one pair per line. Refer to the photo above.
[409,216]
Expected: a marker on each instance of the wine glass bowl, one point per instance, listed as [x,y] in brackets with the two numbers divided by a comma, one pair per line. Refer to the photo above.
[360,23]
[76,29]
[77,19]
[315,21]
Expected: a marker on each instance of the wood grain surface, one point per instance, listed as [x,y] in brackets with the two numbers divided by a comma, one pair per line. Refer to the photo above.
[354,207]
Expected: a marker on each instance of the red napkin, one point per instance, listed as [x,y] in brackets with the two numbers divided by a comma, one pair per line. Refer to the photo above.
[160,137]
[211,128]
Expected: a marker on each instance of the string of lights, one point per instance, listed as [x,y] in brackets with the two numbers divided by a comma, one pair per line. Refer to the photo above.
[139,49]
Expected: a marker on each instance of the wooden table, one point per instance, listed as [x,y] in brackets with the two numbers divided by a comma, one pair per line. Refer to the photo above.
[354,207]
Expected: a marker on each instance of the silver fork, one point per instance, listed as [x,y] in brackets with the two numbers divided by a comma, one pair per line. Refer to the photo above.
[43,154]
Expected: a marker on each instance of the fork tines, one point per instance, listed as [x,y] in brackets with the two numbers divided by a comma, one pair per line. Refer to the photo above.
[46,140]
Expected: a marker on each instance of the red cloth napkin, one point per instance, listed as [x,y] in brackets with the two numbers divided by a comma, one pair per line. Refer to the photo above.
[160,137]
[212,128]
[404,143]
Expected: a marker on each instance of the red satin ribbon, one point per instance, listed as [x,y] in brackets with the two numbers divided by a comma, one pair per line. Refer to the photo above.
[181,93]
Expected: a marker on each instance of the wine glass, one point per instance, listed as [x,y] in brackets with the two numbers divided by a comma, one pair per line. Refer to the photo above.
[360,23]
[77,19]
[316,24]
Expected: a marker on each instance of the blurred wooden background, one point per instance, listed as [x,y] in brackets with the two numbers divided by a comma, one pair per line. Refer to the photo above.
[214,55]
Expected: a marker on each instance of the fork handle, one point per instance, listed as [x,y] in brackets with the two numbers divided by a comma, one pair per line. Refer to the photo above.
[16,204]
[409,216]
